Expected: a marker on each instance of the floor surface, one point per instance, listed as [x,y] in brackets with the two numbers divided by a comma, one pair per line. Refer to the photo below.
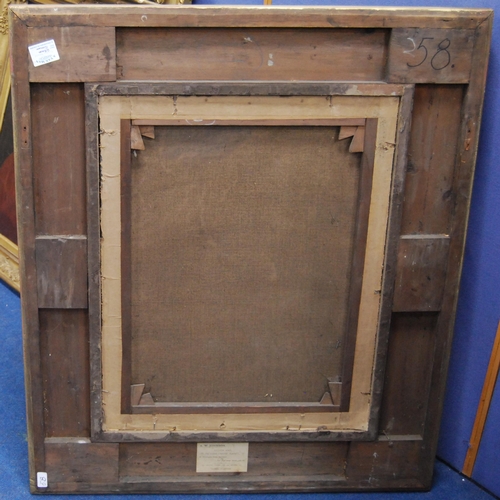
[448,485]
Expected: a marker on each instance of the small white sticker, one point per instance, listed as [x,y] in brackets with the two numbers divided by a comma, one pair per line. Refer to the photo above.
[44,53]
[222,457]
[42,480]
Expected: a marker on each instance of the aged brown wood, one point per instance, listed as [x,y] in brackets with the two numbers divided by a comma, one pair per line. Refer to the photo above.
[179,459]
[62,277]
[53,195]
[243,88]
[136,391]
[358,141]
[462,187]
[93,230]
[78,461]
[429,194]
[362,215]
[408,373]
[65,364]
[254,16]
[136,141]
[421,272]
[86,54]
[430,55]
[250,54]
[148,406]
[370,464]
[267,123]
[126,298]
[147,130]
[25,204]
[59,158]
[358,261]
[397,204]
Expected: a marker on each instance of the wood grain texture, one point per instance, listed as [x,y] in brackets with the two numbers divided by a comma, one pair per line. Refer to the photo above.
[437,194]
[467,148]
[65,370]
[421,273]
[371,464]
[86,54]
[235,54]
[125,268]
[253,88]
[62,272]
[110,148]
[430,55]
[147,405]
[254,16]
[408,373]
[59,158]
[358,261]
[397,200]
[81,464]
[25,205]
[429,195]
[93,230]
[264,459]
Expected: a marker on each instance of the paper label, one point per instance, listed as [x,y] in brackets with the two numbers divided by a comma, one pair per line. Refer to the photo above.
[42,480]
[222,457]
[44,53]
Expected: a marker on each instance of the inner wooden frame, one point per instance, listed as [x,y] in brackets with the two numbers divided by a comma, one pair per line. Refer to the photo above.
[335,398]
[379,105]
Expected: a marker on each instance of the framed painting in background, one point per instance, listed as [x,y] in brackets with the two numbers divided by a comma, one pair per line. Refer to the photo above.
[9,260]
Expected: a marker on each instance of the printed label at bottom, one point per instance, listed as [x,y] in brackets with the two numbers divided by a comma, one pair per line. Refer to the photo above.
[42,480]
[222,457]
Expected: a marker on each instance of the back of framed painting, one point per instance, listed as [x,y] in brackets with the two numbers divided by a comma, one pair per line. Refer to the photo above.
[241,231]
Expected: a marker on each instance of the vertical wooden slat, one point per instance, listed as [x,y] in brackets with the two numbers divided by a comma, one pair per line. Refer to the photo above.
[62,278]
[126,261]
[393,231]
[65,376]
[59,158]
[429,197]
[93,253]
[26,236]
[408,372]
[462,187]
[358,260]
[421,272]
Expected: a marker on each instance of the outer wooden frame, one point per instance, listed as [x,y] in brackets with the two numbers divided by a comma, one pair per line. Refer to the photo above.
[402,455]
[246,421]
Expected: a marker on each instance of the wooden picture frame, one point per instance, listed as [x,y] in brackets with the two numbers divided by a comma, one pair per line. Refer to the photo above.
[377,109]
[125,291]
[9,253]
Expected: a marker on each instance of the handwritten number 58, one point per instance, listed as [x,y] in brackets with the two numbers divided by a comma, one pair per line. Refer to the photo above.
[440,59]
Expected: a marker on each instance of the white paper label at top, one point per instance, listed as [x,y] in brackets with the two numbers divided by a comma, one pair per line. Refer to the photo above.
[43,53]
[222,457]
